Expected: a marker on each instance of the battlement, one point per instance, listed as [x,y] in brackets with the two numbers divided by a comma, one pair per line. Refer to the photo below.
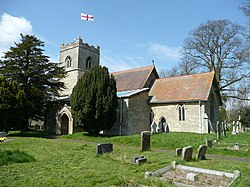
[79,42]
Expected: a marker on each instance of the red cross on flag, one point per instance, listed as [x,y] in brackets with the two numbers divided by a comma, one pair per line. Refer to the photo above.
[87,17]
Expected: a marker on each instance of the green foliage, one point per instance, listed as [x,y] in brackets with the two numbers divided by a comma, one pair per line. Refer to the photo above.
[245,116]
[12,102]
[94,101]
[8,157]
[31,69]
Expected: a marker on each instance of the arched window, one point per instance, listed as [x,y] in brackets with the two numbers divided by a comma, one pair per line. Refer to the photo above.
[68,61]
[88,62]
[181,110]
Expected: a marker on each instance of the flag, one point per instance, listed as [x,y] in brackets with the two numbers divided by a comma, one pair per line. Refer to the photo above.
[87,17]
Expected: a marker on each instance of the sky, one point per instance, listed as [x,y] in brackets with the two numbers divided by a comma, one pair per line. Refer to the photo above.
[130,33]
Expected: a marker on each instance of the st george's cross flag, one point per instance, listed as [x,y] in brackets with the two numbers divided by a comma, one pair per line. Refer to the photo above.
[87,17]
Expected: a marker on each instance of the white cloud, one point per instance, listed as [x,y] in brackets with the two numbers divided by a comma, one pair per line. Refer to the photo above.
[118,63]
[163,51]
[10,29]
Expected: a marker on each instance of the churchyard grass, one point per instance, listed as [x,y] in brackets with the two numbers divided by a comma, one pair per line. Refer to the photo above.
[173,140]
[62,162]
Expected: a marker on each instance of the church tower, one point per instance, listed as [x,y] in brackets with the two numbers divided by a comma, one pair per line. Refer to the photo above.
[77,57]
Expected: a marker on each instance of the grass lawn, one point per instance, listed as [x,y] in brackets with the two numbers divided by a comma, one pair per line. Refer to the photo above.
[59,162]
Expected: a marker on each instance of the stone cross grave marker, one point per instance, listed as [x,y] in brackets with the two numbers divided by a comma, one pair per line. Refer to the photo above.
[201,152]
[187,153]
[104,148]
[145,140]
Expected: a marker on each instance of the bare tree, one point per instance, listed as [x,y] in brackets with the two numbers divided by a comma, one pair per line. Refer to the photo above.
[245,7]
[220,46]
[183,68]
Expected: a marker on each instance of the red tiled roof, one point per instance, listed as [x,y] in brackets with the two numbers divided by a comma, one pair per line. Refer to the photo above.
[132,79]
[183,88]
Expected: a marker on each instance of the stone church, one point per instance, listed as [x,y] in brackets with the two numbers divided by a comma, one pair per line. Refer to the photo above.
[146,102]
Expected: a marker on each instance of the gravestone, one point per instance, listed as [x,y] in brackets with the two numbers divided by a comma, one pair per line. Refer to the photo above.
[187,153]
[153,127]
[104,148]
[145,140]
[218,130]
[178,151]
[201,152]
[234,128]
[192,177]
[2,134]
[237,147]
[237,128]
[139,160]
[209,143]
[166,127]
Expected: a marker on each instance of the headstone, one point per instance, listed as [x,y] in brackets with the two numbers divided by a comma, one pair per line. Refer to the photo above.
[187,153]
[218,130]
[237,128]
[104,148]
[234,128]
[223,130]
[209,143]
[237,147]
[134,159]
[153,127]
[2,134]
[178,151]
[192,177]
[141,160]
[201,152]
[145,140]
[166,127]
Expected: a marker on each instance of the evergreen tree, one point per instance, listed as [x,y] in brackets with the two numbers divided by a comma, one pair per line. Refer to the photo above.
[12,102]
[94,101]
[35,74]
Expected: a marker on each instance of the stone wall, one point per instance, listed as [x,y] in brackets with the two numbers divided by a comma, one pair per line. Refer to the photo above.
[194,114]
[78,53]
[132,115]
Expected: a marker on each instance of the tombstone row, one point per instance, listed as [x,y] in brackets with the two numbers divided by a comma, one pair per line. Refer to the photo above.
[187,152]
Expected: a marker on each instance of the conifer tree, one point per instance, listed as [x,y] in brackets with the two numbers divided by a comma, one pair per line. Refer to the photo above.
[94,101]
[34,73]
[12,103]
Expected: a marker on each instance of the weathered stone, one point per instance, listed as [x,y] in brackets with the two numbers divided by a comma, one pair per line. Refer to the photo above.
[2,134]
[166,128]
[234,128]
[104,148]
[209,143]
[145,140]
[178,151]
[153,127]
[133,160]
[201,152]
[192,177]
[236,147]
[141,160]
[187,153]
[218,130]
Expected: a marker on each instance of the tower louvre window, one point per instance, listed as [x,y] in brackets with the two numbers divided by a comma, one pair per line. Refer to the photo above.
[68,61]
[88,62]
